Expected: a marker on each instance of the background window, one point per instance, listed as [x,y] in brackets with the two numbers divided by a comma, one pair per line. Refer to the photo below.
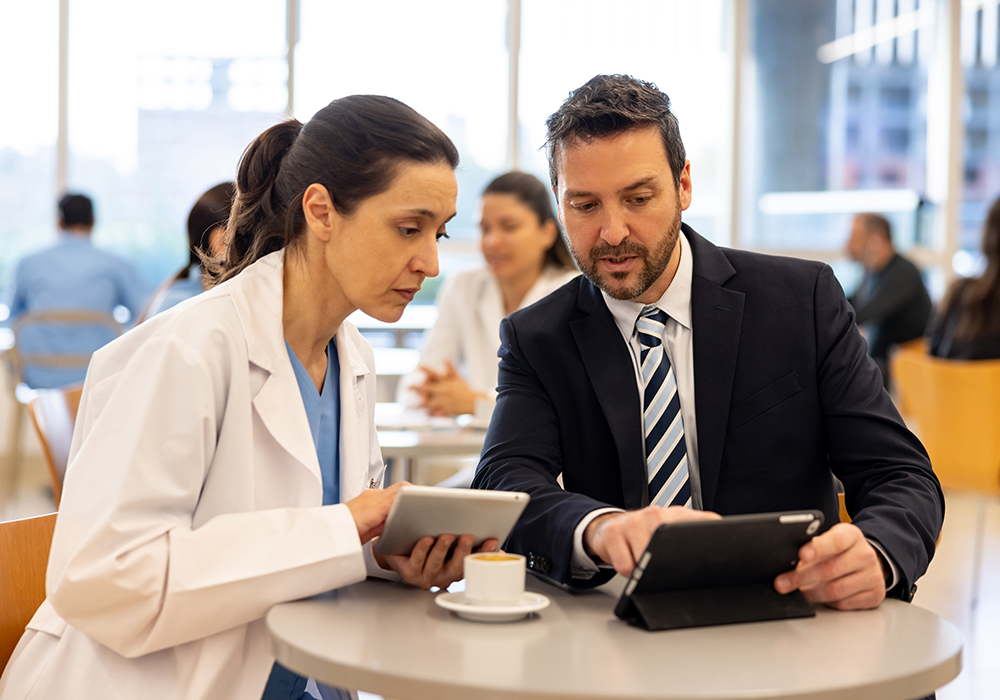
[29,86]
[856,137]
[449,64]
[677,44]
[164,111]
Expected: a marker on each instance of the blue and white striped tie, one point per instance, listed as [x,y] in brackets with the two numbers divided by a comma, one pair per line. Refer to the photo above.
[666,451]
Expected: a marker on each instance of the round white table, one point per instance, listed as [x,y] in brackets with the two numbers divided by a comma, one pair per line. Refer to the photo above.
[393,640]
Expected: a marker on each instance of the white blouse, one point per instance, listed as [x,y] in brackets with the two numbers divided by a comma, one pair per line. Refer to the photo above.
[467,331]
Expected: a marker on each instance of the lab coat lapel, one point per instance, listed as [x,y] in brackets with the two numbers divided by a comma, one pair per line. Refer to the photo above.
[257,294]
[717,319]
[355,427]
[609,367]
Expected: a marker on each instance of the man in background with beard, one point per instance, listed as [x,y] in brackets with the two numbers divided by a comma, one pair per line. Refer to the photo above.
[677,380]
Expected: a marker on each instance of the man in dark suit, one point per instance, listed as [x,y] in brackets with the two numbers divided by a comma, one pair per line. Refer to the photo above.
[677,380]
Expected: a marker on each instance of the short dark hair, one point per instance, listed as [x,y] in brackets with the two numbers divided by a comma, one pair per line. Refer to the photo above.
[353,147]
[76,210]
[607,105]
[876,224]
[532,193]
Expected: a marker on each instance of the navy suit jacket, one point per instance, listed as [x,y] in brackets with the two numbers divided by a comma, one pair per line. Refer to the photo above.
[785,397]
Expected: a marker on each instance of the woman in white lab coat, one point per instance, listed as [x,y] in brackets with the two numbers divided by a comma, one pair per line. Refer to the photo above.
[526,260]
[194,498]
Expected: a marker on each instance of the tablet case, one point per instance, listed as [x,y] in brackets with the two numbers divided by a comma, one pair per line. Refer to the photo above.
[718,572]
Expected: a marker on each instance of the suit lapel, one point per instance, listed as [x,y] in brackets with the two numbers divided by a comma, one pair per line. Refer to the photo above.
[609,367]
[717,319]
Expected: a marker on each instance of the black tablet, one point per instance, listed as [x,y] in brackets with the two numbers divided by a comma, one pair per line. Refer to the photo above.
[716,572]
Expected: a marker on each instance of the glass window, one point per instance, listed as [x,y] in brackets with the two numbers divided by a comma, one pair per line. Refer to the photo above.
[830,110]
[677,44]
[164,110]
[980,24]
[29,85]
[448,60]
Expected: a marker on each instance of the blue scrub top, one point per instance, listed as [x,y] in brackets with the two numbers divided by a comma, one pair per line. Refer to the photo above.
[323,413]
[70,275]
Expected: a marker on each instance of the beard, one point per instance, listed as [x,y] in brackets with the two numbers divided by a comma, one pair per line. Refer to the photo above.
[654,262]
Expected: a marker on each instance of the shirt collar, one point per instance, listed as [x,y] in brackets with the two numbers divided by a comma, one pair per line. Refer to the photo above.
[676,301]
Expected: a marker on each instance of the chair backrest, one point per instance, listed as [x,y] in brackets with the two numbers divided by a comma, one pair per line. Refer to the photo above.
[956,406]
[19,360]
[24,553]
[53,412]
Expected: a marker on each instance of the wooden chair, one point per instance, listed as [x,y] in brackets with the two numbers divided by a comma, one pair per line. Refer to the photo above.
[24,553]
[955,406]
[53,413]
[17,361]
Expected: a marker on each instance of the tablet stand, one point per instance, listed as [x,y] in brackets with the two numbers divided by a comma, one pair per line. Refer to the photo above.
[721,605]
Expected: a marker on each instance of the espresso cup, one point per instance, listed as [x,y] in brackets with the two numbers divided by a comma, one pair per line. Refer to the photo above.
[494,578]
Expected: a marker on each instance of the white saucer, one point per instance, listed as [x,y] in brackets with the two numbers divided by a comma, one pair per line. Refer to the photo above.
[527,603]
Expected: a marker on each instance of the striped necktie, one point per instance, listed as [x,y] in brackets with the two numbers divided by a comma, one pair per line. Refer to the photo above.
[666,452]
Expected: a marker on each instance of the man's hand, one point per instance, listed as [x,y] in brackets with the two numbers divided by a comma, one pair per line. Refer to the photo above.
[620,538]
[839,568]
[429,565]
[446,393]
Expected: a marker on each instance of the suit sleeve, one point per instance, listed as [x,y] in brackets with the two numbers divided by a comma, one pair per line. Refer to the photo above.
[900,286]
[524,454]
[891,492]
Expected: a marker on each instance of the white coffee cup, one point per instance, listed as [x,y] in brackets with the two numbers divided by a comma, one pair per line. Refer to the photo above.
[494,578]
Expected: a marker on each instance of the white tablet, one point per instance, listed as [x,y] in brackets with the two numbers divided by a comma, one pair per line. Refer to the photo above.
[422,511]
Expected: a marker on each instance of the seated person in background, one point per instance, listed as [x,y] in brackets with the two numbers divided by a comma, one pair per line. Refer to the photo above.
[968,327]
[206,227]
[676,379]
[891,302]
[70,275]
[526,259]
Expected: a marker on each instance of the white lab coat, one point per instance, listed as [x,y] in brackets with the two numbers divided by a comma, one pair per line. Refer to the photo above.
[192,504]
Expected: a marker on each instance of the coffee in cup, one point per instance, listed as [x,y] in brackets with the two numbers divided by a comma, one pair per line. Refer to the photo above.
[494,578]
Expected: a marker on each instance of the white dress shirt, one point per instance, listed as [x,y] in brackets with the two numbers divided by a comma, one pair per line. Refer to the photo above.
[678,340]
[467,332]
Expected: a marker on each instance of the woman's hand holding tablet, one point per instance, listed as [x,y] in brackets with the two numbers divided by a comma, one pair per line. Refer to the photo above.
[430,530]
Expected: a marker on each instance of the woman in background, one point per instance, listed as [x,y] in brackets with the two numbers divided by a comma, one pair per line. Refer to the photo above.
[968,326]
[225,457]
[526,259]
[206,227]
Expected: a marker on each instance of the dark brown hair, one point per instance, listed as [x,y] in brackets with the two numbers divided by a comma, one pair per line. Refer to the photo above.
[353,147]
[608,105]
[76,210]
[208,213]
[532,193]
[979,298]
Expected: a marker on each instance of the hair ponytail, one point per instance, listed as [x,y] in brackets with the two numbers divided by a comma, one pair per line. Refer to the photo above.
[256,226]
[353,147]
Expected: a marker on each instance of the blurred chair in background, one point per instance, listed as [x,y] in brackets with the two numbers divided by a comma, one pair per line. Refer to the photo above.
[24,551]
[19,362]
[53,412]
[956,407]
